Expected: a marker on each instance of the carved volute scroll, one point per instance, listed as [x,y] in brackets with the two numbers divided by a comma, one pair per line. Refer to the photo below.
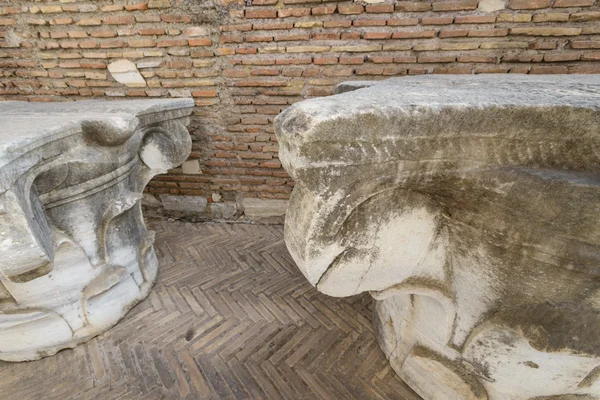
[469,207]
[76,255]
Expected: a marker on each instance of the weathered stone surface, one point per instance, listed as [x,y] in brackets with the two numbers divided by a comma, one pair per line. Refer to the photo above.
[125,72]
[255,209]
[491,5]
[76,255]
[469,208]
[195,204]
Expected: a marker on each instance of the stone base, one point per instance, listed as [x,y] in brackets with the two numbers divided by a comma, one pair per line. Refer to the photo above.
[26,340]
[197,208]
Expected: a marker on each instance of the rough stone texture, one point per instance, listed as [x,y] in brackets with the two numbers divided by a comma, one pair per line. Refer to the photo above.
[468,207]
[76,255]
[245,61]
[491,5]
[256,209]
[198,208]
[125,72]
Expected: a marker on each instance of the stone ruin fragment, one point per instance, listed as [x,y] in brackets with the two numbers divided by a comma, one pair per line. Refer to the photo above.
[469,207]
[75,253]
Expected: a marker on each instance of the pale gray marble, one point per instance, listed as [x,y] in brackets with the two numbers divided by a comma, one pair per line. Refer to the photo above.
[76,255]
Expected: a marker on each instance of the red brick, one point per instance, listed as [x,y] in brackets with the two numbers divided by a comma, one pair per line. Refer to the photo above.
[337,24]
[453,33]
[413,6]
[488,32]
[141,43]
[231,39]
[405,60]
[475,19]
[324,36]
[369,71]
[349,9]
[200,42]
[272,26]
[235,73]
[246,50]
[529,4]
[177,64]
[261,14]
[255,121]
[591,56]
[543,45]
[436,59]
[476,59]
[201,53]
[547,69]
[587,44]
[254,39]
[461,5]
[236,28]
[380,8]
[403,22]
[120,20]
[351,60]
[585,69]
[151,31]
[136,7]
[323,10]
[586,16]
[147,18]
[413,34]
[369,22]
[325,60]
[261,83]
[265,72]
[452,70]
[491,70]
[111,44]
[377,35]
[437,21]
[88,44]
[293,12]
[381,59]
[573,3]
[338,72]
[204,93]
[173,18]
[103,34]
[350,35]
[172,42]
[557,57]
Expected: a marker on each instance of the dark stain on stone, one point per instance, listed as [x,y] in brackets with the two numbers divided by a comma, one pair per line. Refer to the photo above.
[531,364]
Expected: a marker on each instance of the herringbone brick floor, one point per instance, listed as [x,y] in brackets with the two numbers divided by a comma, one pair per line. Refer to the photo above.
[230,318]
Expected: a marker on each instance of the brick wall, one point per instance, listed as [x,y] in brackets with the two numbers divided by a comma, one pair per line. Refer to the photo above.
[243,62]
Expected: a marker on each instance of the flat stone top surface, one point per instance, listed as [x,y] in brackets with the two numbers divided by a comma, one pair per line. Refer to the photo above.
[22,122]
[414,94]
[478,90]
[342,129]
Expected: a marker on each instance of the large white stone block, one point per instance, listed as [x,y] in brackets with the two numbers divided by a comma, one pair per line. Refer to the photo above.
[76,255]
[469,207]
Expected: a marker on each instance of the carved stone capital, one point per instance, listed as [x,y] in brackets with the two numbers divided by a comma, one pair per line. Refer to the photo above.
[469,207]
[76,255]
